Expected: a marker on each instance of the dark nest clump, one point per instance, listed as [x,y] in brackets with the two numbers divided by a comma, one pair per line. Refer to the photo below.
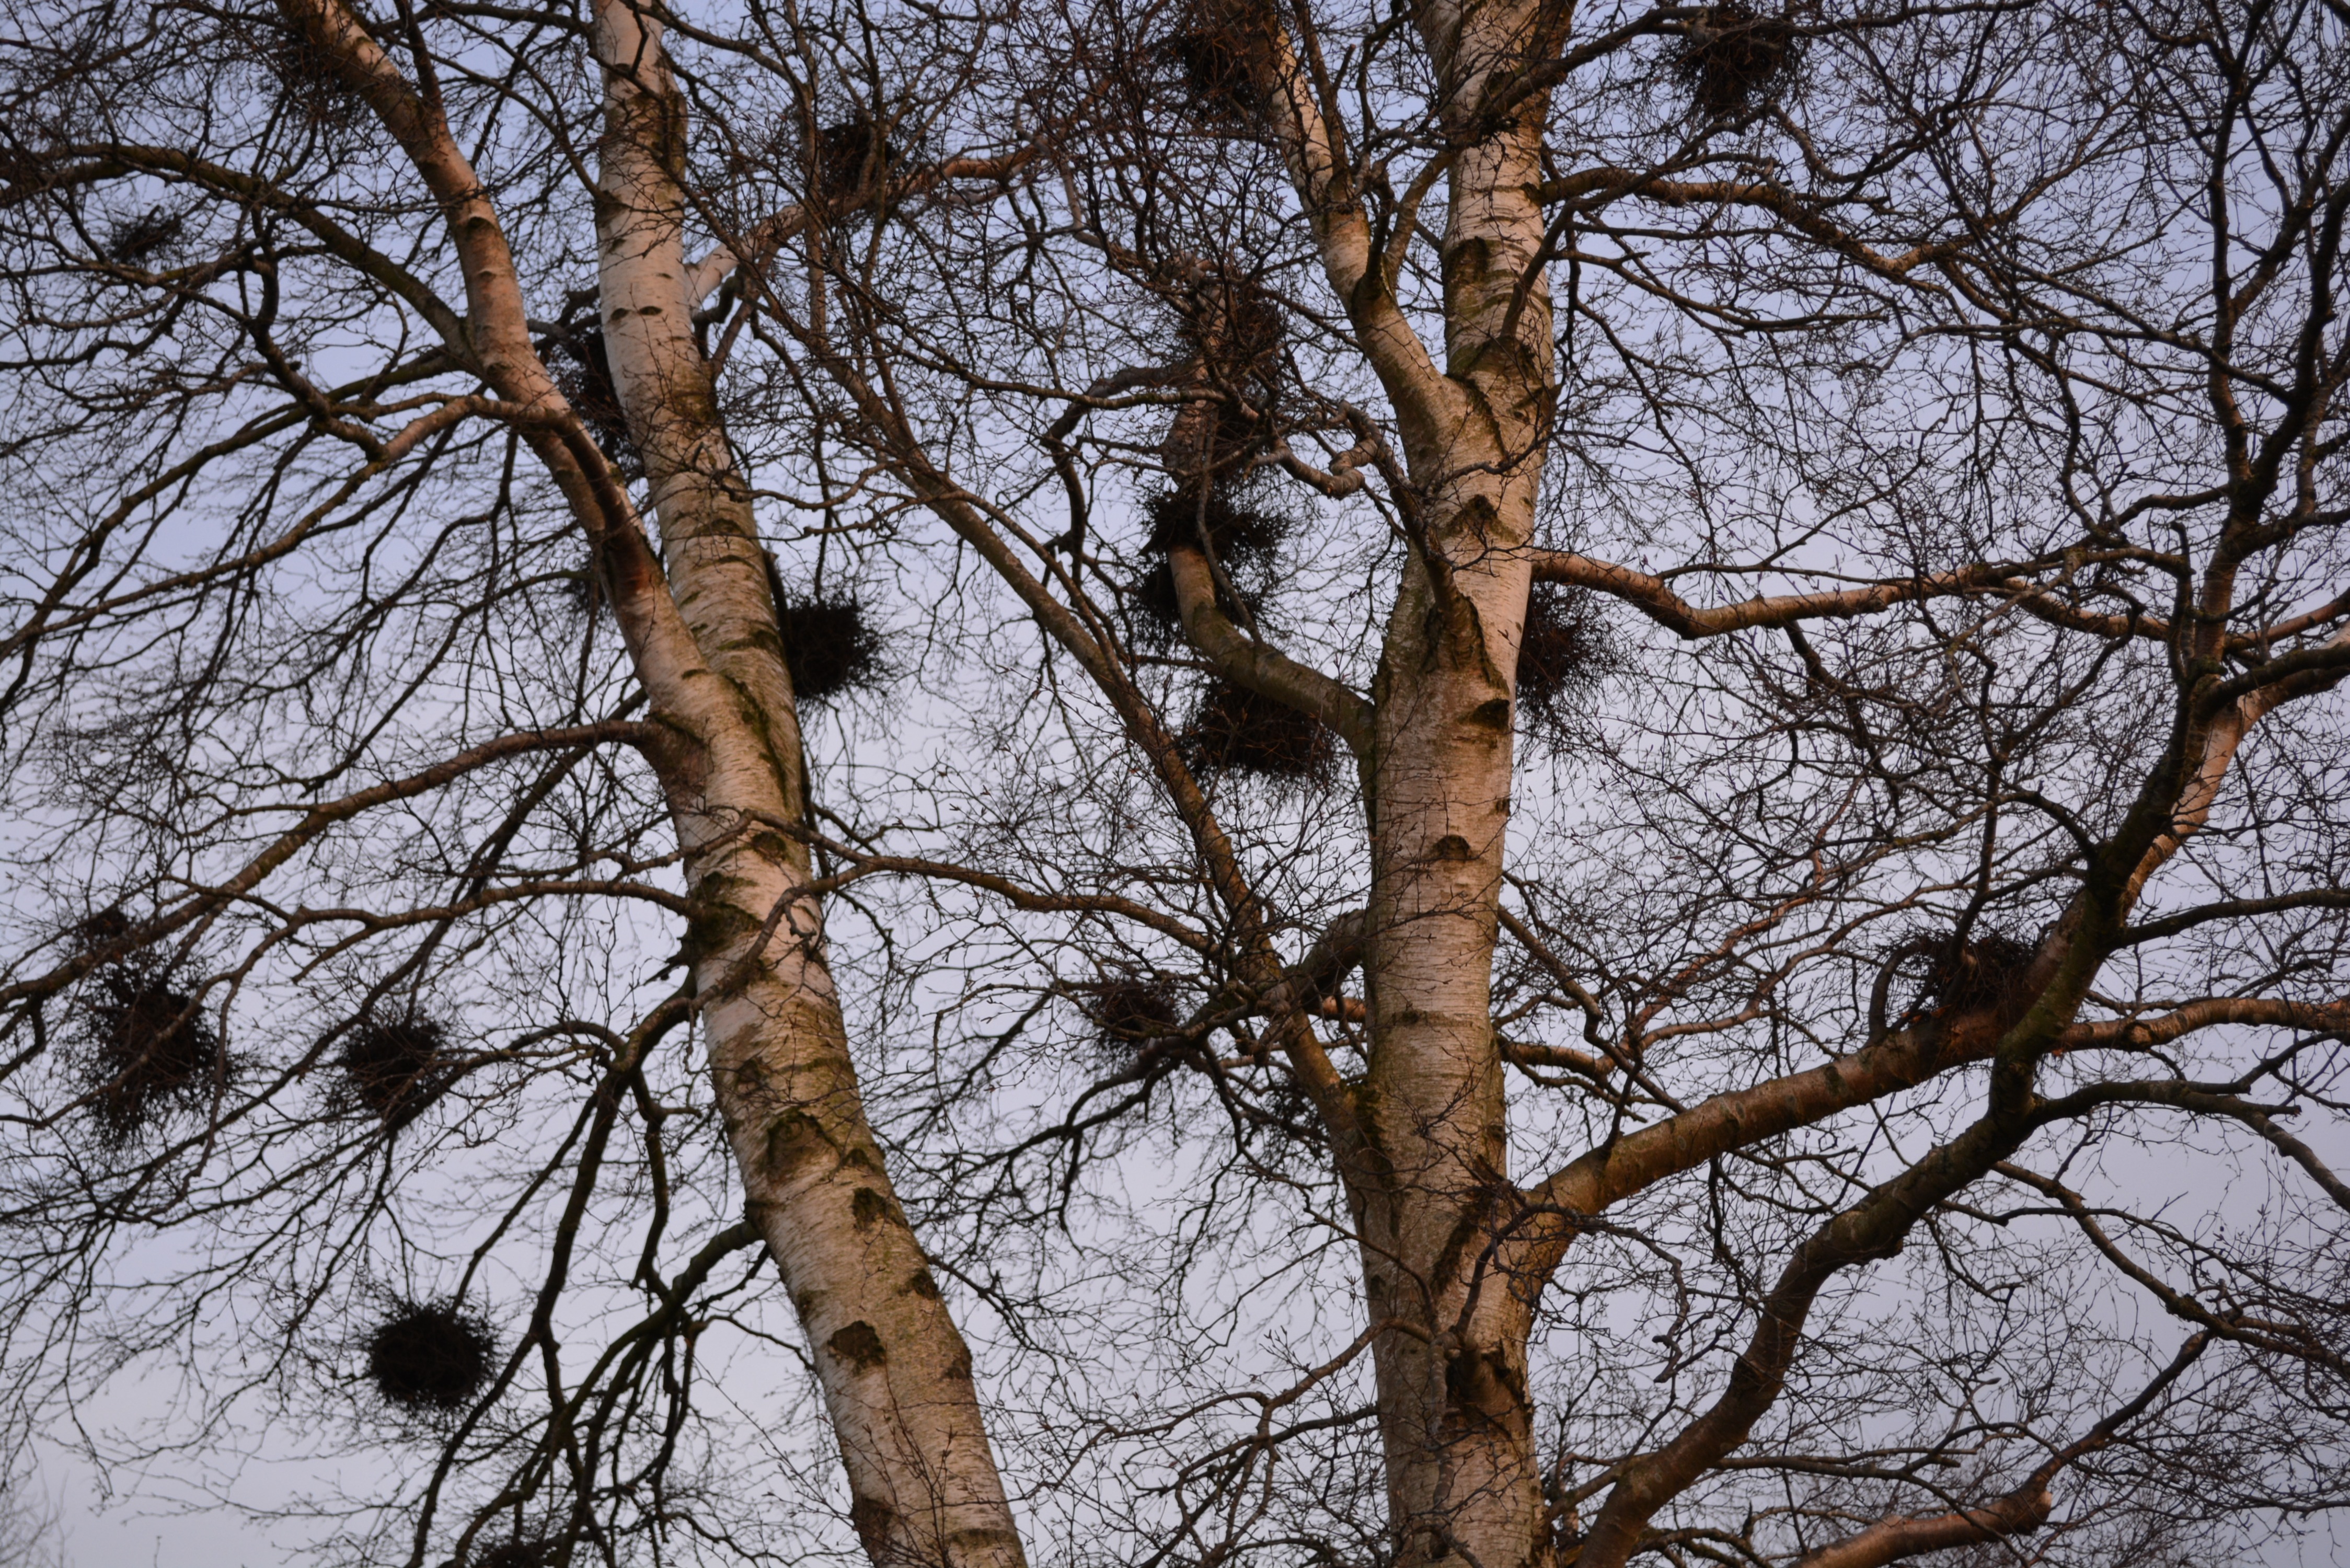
[1129,1013]
[147,1046]
[1287,1128]
[1218,499]
[1158,613]
[829,645]
[582,370]
[1732,56]
[394,1065]
[1236,332]
[107,930]
[1243,536]
[1988,974]
[310,85]
[1232,333]
[138,241]
[1566,652]
[1221,55]
[1235,528]
[1233,729]
[850,157]
[430,1356]
[516,1554]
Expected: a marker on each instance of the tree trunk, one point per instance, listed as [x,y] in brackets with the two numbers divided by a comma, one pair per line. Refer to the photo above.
[895,1371]
[1463,1477]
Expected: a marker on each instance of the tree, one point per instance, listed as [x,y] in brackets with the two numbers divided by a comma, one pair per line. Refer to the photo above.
[1474,703]
[27,1529]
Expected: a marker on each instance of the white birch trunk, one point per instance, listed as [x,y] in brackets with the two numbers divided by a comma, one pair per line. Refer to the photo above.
[1464,1481]
[895,1371]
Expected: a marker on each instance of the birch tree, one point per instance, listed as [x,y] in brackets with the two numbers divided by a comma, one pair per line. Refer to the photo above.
[1490,784]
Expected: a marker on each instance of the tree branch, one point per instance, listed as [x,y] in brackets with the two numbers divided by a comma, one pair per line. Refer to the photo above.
[2027,1507]
[1263,670]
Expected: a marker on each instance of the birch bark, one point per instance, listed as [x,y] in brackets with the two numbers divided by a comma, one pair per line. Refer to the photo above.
[699,626]
[895,1371]
[1455,1418]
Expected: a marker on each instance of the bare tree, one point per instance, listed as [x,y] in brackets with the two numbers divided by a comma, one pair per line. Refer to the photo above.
[1432,782]
[29,1528]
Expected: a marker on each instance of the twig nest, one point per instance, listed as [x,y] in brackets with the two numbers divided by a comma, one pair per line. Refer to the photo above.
[1157,613]
[1244,535]
[151,236]
[850,157]
[582,370]
[1989,972]
[581,591]
[1732,56]
[1563,654]
[829,647]
[537,1553]
[1290,1133]
[147,1046]
[1130,1011]
[1922,979]
[394,1066]
[1233,526]
[1233,729]
[1236,332]
[430,1356]
[1231,323]
[1216,501]
[310,85]
[1221,56]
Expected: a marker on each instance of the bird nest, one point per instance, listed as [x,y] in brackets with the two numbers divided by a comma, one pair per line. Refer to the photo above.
[529,1553]
[310,81]
[394,1065]
[1287,1130]
[851,158]
[1157,613]
[1226,517]
[1925,980]
[1233,729]
[1129,1013]
[1227,318]
[829,646]
[582,370]
[1243,533]
[580,591]
[1234,332]
[145,1045]
[429,1356]
[1222,56]
[1564,655]
[1732,56]
[138,241]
